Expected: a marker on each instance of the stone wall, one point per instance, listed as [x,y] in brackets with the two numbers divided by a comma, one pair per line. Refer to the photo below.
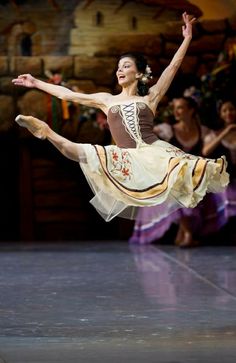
[101,25]
[47,25]
[97,72]
[83,40]
[74,27]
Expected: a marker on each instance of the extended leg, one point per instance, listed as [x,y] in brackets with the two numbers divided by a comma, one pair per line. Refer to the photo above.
[41,130]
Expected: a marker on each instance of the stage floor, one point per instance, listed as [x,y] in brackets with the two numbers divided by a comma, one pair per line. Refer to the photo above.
[109,302]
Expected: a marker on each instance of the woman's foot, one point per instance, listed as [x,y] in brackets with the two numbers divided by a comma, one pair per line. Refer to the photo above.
[184,239]
[37,127]
[188,241]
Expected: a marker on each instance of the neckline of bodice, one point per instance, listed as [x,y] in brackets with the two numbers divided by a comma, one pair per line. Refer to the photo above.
[188,143]
[130,103]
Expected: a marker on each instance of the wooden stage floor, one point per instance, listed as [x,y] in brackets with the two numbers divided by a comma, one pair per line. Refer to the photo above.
[111,302]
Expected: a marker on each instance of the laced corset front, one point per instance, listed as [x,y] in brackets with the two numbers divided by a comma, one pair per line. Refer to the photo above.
[131,124]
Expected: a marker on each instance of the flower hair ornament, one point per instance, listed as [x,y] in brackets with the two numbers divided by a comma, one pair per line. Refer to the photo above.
[147,75]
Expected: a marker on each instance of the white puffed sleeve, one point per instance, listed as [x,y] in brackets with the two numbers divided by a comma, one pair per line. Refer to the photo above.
[163,131]
[209,137]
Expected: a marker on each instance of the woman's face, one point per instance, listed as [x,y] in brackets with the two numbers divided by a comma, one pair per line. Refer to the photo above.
[127,72]
[228,113]
[181,110]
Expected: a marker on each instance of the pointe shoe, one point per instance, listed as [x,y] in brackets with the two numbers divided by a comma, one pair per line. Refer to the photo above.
[37,127]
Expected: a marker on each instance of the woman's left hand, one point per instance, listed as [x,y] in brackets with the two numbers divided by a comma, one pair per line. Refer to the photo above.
[187,28]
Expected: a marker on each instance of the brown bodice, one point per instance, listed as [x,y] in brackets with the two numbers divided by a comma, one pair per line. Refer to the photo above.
[131,124]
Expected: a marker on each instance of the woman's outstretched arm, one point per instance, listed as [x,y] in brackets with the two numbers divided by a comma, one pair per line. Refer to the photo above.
[158,90]
[211,143]
[98,100]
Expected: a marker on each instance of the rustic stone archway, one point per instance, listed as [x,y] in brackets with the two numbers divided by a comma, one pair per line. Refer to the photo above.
[20,40]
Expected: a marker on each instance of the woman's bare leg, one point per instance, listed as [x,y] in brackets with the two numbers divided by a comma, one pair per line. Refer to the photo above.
[41,130]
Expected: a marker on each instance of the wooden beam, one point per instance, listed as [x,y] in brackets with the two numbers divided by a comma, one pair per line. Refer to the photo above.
[159,12]
[15,4]
[179,5]
[123,3]
[87,3]
[54,4]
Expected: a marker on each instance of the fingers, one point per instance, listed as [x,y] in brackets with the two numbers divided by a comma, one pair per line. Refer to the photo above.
[19,78]
[18,81]
[22,78]
[192,20]
[25,75]
[188,18]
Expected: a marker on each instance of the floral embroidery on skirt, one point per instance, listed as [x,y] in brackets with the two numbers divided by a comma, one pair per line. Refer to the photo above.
[124,179]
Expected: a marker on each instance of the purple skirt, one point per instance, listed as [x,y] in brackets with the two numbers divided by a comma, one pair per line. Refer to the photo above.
[212,213]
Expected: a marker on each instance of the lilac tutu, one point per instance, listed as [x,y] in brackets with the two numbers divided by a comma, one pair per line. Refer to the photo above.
[212,213]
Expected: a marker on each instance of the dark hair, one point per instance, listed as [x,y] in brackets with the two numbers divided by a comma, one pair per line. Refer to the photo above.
[220,122]
[222,101]
[190,102]
[141,64]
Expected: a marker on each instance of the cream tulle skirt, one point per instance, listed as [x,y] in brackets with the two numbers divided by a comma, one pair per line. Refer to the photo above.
[124,179]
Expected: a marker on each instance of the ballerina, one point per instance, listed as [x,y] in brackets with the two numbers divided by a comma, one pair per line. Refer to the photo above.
[139,170]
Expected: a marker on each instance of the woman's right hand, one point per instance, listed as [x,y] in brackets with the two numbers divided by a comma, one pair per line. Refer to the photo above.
[25,80]
[230,127]
[187,27]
